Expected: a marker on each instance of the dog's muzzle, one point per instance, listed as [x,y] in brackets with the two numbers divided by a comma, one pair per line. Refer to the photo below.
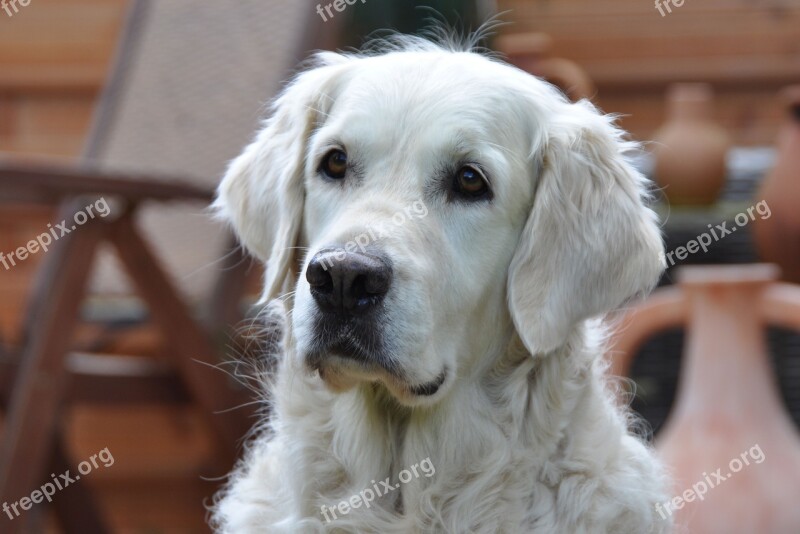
[347,283]
[348,289]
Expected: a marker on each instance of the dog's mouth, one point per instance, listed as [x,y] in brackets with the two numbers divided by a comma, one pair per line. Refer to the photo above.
[352,347]
[347,360]
[429,389]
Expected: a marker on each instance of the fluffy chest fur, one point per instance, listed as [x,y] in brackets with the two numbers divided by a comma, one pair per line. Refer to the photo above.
[537,445]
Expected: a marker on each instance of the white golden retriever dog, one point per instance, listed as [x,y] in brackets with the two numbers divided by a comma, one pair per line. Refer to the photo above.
[444,230]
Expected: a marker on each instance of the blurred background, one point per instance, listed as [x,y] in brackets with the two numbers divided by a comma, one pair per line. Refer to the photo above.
[116,336]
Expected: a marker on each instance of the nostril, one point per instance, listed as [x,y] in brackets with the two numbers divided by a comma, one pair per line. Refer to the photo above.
[377,281]
[317,276]
[369,285]
[358,292]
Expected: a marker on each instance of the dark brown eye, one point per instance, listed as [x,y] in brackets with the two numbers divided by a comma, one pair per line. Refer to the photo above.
[470,182]
[334,164]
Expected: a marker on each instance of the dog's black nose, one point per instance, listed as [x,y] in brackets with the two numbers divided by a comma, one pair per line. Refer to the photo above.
[348,282]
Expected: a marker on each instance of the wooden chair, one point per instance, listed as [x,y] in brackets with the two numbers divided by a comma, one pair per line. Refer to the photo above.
[43,376]
[184,96]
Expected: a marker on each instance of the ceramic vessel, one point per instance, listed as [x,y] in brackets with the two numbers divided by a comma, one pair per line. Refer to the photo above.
[532,52]
[690,149]
[778,236]
[731,448]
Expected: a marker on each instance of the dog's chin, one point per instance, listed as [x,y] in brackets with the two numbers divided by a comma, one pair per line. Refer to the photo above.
[341,374]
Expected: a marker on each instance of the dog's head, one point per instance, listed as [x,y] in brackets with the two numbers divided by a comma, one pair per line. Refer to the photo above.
[425,202]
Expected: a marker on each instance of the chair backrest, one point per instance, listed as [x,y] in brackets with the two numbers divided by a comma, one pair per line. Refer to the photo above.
[186,93]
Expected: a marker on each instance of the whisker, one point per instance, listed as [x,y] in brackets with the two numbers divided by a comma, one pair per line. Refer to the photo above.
[234,408]
[224,257]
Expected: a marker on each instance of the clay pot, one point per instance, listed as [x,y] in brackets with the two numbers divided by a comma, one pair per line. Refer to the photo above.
[532,52]
[690,149]
[778,236]
[731,447]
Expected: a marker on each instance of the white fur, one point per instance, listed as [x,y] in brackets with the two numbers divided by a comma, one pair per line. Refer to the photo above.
[524,434]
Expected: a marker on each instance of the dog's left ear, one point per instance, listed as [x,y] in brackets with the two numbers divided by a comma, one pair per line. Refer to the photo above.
[262,194]
[590,243]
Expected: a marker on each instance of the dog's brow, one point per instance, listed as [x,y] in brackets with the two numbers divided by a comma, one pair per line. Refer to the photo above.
[318,111]
[501,148]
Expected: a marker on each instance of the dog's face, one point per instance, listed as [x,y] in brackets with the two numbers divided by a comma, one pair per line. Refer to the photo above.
[438,199]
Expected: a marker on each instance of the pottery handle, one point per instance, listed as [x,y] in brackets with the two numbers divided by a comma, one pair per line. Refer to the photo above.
[780,305]
[568,76]
[665,308]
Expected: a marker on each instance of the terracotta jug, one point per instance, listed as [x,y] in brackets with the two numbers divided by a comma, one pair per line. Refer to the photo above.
[778,236]
[731,447]
[532,52]
[690,149]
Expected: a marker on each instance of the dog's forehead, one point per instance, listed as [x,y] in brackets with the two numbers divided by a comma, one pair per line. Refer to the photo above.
[427,92]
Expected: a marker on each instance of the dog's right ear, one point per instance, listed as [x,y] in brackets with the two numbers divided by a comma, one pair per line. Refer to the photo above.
[591,243]
[262,193]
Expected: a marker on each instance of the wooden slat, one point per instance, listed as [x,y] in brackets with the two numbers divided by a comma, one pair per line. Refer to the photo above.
[38,391]
[48,182]
[53,77]
[746,50]
[752,22]
[156,506]
[741,71]
[151,384]
[193,349]
[74,30]
[75,506]
[54,51]
[587,30]
[700,47]
[149,442]
[752,116]
[520,9]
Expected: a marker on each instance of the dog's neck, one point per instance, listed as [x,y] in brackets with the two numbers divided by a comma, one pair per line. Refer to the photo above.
[516,390]
[522,404]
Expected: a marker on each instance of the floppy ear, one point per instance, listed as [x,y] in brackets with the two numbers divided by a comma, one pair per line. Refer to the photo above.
[262,193]
[589,243]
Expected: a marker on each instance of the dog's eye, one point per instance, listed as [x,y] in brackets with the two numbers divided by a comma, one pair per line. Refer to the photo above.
[470,182]
[334,164]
